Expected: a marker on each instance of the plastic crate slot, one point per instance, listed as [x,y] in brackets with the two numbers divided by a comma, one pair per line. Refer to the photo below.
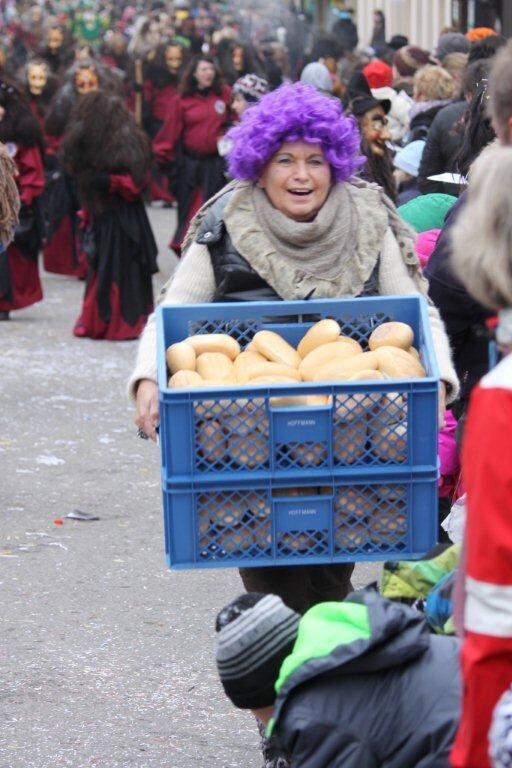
[233,525]
[309,542]
[301,455]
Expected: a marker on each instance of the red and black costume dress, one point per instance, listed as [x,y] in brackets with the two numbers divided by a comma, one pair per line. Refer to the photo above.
[121,254]
[61,253]
[160,89]
[188,137]
[20,285]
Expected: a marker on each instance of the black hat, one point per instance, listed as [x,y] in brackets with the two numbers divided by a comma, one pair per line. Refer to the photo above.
[360,97]
[256,633]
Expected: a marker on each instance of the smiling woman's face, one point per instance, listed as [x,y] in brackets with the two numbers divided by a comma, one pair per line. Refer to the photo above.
[297,180]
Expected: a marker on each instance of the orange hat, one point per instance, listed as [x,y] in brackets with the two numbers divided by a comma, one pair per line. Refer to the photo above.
[479,33]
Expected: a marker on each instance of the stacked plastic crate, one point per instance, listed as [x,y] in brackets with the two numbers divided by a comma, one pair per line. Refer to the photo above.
[250,480]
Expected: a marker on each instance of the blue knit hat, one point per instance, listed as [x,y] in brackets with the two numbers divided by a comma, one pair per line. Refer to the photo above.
[408,159]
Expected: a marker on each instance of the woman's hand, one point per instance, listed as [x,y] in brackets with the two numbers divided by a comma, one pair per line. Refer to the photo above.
[146,407]
[442,405]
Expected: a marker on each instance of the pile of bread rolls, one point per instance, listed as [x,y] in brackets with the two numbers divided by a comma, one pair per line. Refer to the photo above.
[240,524]
[236,432]
[234,524]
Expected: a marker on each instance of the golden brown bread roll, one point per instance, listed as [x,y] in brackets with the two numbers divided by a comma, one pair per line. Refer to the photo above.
[320,333]
[350,538]
[390,442]
[398,364]
[185,380]
[349,440]
[214,342]
[352,503]
[392,334]
[342,370]
[275,348]
[215,366]
[250,450]
[211,441]
[238,538]
[180,357]
[387,526]
[325,355]
[309,454]
[245,364]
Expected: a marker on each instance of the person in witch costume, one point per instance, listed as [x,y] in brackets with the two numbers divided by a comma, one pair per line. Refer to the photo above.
[58,50]
[40,87]
[110,157]
[371,114]
[61,254]
[20,285]
[188,138]
[162,74]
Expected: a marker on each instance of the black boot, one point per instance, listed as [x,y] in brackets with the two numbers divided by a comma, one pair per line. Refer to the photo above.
[4,316]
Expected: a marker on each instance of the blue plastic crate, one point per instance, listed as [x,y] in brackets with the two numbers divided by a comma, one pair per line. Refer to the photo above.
[273,524]
[227,434]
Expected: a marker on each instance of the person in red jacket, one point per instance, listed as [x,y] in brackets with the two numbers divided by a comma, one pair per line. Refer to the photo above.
[194,123]
[482,237]
[20,285]
[109,157]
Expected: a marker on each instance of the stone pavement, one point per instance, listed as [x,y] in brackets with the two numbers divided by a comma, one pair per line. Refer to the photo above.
[106,657]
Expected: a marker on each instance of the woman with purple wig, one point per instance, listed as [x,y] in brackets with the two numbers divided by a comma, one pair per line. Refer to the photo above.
[294,223]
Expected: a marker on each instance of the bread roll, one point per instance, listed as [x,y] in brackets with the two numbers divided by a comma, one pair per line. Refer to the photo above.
[211,441]
[235,539]
[320,333]
[273,379]
[391,407]
[398,364]
[267,368]
[349,440]
[257,506]
[300,401]
[276,349]
[350,538]
[342,370]
[245,416]
[302,541]
[309,454]
[352,342]
[180,357]
[246,363]
[414,352]
[214,342]
[215,365]
[226,511]
[261,534]
[352,504]
[185,380]
[249,450]
[327,354]
[387,527]
[390,443]
[392,335]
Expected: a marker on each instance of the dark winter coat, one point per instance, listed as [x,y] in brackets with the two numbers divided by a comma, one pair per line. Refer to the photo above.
[420,124]
[368,686]
[464,318]
[443,143]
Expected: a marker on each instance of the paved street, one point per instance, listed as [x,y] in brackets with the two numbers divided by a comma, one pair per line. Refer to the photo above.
[106,657]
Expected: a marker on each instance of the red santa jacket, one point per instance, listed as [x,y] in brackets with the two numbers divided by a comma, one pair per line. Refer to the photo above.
[198,121]
[487,647]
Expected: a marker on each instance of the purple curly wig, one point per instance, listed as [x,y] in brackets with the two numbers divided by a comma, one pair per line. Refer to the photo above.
[294,112]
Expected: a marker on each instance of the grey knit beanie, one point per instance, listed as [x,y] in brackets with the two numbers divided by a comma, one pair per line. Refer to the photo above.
[256,633]
[451,42]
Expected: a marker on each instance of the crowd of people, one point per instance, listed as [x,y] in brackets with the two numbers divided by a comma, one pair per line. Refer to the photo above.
[302,164]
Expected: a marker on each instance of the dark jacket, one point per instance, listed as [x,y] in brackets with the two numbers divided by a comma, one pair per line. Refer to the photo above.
[367,686]
[443,143]
[464,318]
[235,279]
[420,124]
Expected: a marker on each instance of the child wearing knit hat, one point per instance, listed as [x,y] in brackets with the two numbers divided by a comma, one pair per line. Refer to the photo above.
[355,683]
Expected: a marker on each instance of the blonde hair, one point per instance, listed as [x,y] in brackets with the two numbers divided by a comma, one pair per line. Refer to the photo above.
[455,63]
[433,83]
[482,233]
